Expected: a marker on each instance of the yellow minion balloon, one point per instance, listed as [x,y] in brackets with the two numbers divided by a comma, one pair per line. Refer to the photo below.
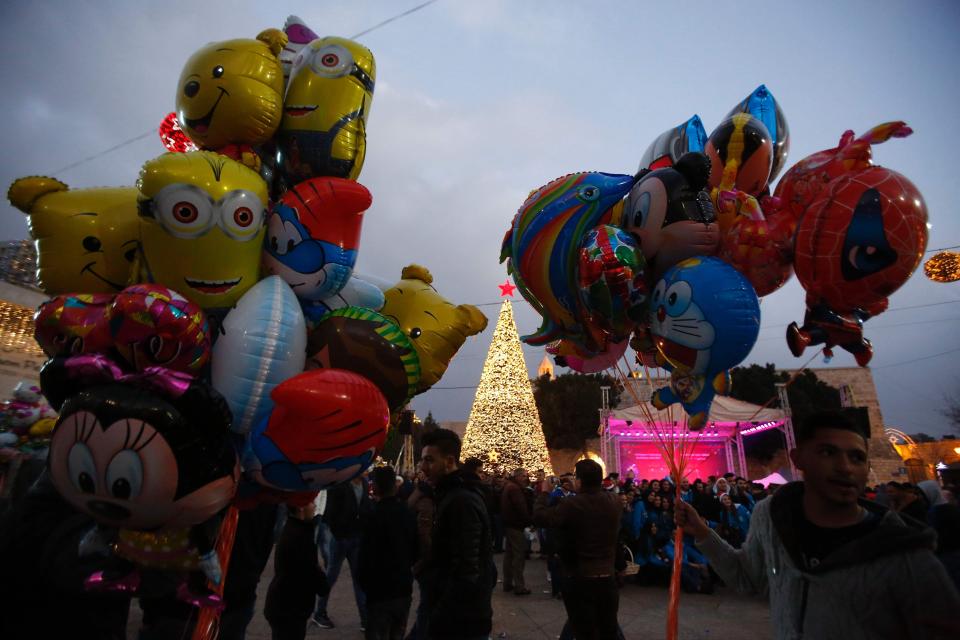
[86,238]
[324,127]
[436,327]
[231,93]
[201,226]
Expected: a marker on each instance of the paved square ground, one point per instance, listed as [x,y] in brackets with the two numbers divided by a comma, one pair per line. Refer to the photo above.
[724,615]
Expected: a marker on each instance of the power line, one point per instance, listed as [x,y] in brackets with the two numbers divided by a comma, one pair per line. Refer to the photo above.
[930,357]
[391,19]
[153,130]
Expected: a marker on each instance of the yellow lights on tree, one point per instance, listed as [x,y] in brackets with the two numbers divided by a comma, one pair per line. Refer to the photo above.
[504,427]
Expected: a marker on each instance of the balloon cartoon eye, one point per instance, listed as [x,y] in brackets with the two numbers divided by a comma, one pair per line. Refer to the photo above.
[589,193]
[82,468]
[658,293]
[125,475]
[677,298]
[282,236]
[332,61]
[241,215]
[183,210]
[91,244]
[162,351]
[415,332]
[217,71]
[640,210]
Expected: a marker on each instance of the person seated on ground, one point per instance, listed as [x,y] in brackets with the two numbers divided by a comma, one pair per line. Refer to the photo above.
[666,515]
[734,522]
[297,578]
[650,555]
[705,504]
[694,569]
[638,517]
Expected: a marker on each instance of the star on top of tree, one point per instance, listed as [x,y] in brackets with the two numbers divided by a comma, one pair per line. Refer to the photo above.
[506,289]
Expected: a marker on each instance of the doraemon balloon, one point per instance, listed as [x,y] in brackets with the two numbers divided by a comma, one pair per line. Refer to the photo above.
[313,234]
[704,318]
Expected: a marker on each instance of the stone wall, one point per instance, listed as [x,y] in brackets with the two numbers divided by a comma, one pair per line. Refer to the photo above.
[885,463]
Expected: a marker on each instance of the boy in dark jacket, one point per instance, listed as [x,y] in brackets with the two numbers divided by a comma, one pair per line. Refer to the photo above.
[388,549]
[297,579]
[458,579]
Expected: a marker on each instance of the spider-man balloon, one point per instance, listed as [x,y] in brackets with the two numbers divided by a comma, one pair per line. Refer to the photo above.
[857,243]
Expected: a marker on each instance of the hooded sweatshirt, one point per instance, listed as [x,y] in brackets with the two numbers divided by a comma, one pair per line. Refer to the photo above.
[885,583]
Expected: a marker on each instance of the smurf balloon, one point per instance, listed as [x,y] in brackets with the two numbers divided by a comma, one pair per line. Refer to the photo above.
[313,234]
[704,319]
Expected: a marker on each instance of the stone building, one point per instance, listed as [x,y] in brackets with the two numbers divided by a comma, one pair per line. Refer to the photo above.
[857,389]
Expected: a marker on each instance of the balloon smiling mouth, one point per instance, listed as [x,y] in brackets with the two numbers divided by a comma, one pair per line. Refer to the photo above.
[202,125]
[677,353]
[298,111]
[212,287]
[89,269]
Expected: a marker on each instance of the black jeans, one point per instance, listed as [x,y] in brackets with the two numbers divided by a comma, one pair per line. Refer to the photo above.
[387,619]
[592,605]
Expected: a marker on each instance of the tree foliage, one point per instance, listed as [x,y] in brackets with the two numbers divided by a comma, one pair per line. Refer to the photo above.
[952,412]
[568,405]
[757,384]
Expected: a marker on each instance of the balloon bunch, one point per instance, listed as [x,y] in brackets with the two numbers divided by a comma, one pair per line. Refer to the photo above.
[673,258]
[210,344]
[26,420]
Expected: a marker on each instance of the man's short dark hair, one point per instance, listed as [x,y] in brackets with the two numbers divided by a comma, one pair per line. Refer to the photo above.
[589,473]
[845,419]
[447,441]
[384,480]
[472,465]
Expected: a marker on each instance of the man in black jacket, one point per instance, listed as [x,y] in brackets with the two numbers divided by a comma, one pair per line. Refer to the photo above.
[388,550]
[460,574]
[348,505]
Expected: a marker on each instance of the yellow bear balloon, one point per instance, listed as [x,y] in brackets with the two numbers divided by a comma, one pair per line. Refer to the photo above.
[231,93]
[86,238]
[434,325]
[324,126]
[201,226]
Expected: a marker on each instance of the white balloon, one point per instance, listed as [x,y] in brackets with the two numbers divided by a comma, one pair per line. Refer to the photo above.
[263,342]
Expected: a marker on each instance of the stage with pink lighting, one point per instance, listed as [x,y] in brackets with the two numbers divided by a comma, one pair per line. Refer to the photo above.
[636,442]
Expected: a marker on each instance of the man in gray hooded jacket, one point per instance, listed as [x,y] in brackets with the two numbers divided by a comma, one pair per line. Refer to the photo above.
[835,566]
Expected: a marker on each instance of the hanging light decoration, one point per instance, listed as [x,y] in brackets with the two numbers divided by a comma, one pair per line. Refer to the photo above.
[943,267]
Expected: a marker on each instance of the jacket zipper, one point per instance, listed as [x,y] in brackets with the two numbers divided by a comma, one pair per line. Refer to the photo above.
[803,602]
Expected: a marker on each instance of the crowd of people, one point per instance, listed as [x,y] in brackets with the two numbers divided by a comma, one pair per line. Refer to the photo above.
[890,552]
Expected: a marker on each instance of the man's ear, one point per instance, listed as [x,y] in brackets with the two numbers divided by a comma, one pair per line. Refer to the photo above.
[795,458]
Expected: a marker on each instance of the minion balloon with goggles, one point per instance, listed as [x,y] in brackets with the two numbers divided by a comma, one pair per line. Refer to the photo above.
[201,226]
[323,131]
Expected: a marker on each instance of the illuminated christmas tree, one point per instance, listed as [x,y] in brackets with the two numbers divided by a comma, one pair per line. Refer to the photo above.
[504,427]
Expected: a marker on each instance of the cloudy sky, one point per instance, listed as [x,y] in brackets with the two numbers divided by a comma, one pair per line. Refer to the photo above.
[477,103]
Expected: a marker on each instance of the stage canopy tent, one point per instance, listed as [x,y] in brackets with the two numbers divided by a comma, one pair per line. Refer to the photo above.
[725,412]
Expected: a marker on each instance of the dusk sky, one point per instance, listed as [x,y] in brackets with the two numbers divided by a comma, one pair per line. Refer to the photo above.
[478,103]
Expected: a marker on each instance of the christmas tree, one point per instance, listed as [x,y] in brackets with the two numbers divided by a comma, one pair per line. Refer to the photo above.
[504,427]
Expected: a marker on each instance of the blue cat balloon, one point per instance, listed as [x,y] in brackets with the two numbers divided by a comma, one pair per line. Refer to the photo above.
[704,318]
